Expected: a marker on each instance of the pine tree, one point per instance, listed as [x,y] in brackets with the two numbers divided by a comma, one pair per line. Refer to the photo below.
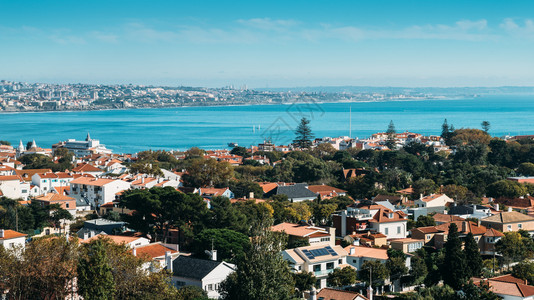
[445,129]
[303,134]
[472,256]
[261,273]
[454,266]
[95,277]
[485,125]
[391,136]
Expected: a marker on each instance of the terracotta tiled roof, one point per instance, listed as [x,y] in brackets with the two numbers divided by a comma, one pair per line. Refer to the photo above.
[11,234]
[9,178]
[508,217]
[153,250]
[509,278]
[86,168]
[268,186]
[361,251]
[54,197]
[325,188]
[298,230]
[507,288]
[493,232]
[443,218]
[329,294]
[92,181]
[27,174]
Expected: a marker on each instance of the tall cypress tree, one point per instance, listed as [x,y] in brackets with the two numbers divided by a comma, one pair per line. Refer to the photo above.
[454,266]
[303,134]
[95,279]
[472,256]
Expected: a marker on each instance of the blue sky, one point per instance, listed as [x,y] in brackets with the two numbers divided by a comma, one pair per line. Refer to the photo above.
[269,43]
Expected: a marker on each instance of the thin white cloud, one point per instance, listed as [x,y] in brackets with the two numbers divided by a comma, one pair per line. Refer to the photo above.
[268,24]
[525,30]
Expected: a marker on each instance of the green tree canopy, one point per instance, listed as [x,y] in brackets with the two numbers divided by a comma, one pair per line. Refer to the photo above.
[342,277]
[303,135]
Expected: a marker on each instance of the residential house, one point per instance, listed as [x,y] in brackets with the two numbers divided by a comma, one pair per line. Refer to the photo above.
[470,211]
[11,239]
[335,294]
[319,259]
[107,226]
[358,255]
[303,231]
[326,191]
[407,245]
[375,218]
[433,200]
[156,253]
[216,192]
[510,221]
[436,236]
[440,218]
[129,241]
[370,239]
[206,274]
[507,287]
[87,169]
[13,187]
[97,191]
[66,202]
[295,193]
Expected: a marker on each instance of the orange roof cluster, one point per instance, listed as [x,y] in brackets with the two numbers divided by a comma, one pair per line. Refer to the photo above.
[86,168]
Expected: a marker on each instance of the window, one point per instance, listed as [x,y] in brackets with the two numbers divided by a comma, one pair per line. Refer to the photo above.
[519,226]
[24,191]
[210,287]
[428,236]
[180,283]
[387,231]
[67,204]
[340,261]
[353,261]
[329,265]
[316,268]
[398,229]
[509,227]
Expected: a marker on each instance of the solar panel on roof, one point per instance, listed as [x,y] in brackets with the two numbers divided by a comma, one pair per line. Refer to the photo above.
[308,254]
[331,251]
[319,252]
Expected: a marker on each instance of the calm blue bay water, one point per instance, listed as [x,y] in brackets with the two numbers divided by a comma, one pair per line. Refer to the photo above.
[213,127]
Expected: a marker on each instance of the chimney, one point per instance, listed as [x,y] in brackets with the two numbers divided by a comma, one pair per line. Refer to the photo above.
[313,294]
[214,255]
[497,206]
[509,209]
[352,250]
[251,195]
[134,251]
[420,196]
[168,260]
[1,233]
[478,222]
[85,235]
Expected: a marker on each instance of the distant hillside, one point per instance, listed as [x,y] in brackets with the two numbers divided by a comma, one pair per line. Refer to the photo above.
[408,90]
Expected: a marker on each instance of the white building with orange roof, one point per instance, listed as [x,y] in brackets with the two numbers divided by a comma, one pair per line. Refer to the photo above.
[97,191]
[433,200]
[314,235]
[7,170]
[216,192]
[321,260]
[85,168]
[14,187]
[130,241]
[66,202]
[10,239]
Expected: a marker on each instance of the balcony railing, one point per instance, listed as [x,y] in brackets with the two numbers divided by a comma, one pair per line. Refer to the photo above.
[323,272]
